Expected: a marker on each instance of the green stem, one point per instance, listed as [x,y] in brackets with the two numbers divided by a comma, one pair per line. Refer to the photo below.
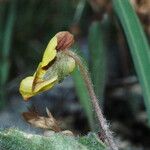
[102,121]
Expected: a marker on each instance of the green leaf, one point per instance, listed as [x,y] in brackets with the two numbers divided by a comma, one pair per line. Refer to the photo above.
[138,45]
[79,11]
[92,141]
[13,139]
[84,97]
[5,41]
[9,30]
[97,58]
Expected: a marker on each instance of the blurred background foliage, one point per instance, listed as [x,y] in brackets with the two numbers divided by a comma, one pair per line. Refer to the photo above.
[105,34]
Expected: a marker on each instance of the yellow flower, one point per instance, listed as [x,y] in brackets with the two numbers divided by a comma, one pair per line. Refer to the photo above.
[52,69]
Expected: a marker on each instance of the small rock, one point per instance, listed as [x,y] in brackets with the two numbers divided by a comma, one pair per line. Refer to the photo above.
[67,132]
[48,133]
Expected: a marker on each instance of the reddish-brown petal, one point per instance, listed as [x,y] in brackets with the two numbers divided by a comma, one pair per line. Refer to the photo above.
[65,40]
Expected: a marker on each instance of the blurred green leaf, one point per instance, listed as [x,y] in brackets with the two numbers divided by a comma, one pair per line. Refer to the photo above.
[138,44]
[6,45]
[79,11]
[4,69]
[97,59]
[2,12]
[84,97]
[9,29]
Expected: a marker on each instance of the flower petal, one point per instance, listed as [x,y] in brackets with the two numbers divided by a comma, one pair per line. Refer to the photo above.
[51,70]
[38,75]
[27,83]
[50,52]
[26,87]
[45,85]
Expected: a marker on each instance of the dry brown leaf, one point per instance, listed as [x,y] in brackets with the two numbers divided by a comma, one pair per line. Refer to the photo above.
[34,119]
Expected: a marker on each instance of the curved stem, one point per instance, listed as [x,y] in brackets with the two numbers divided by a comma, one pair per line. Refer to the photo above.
[101,120]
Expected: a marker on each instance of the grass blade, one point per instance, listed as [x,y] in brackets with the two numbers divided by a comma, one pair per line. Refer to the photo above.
[138,45]
[8,38]
[6,42]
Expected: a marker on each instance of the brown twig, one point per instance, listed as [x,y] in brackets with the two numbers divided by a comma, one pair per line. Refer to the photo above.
[102,121]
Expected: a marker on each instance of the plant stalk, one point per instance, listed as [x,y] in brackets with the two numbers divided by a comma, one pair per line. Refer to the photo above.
[101,120]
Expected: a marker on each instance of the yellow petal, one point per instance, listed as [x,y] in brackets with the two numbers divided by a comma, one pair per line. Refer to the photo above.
[45,85]
[50,52]
[26,87]
[38,75]
[39,83]
[39,71]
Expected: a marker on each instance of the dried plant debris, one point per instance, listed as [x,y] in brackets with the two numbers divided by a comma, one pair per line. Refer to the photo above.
[48,123]
[43,122]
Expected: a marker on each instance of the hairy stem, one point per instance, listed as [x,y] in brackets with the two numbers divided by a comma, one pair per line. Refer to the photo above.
[101,120]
